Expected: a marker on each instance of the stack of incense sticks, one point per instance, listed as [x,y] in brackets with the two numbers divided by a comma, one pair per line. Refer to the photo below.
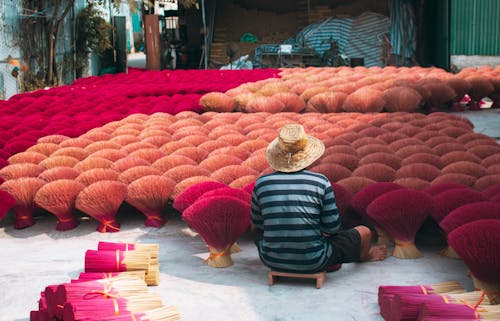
[153,272]
[118,293]
[386,293]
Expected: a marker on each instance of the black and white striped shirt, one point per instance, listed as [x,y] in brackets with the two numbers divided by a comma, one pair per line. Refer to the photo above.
[292,210]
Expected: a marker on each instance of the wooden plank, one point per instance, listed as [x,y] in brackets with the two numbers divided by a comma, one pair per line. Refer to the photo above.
[320,277]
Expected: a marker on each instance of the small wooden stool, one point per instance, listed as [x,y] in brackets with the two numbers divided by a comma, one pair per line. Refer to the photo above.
[320,277]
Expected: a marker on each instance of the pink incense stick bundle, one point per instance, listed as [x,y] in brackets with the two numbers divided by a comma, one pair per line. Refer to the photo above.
[387,292]
[478,244]
[465,214]
[406,306]
[164,313]
[219,220]
[116,287]
[446,202]
[77,310]
[192,193]
[152,275]
[116,261]
[401,213]
[150,195]
[454,311]
[90,276]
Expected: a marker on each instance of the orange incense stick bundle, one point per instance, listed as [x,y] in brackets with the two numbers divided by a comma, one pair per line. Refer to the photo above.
[77,310]
[116,261]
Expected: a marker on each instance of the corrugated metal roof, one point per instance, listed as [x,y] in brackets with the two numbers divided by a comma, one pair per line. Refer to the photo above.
[475,27]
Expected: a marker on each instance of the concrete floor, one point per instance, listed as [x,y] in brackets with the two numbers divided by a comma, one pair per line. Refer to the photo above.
[39,256]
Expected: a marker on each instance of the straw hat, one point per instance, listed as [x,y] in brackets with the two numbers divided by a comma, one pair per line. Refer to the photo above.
[293,150]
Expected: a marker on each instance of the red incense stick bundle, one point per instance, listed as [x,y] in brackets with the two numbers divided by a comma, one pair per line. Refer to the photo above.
[387,292]
[50,299]
[115,261]
[114,306]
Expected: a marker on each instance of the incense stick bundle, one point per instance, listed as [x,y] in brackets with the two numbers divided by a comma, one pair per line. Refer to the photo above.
[164,313]
[456,311]
[89,276]
[406,306]
[116,287]
[150,195]
[50,299]
[401,213]
[23,190]
[116,261]
[219,220]
[58,197]
[152,276]
[387,292]
[478,244]
[101,308]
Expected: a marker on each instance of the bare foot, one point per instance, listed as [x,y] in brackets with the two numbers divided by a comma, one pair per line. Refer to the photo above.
[377,253]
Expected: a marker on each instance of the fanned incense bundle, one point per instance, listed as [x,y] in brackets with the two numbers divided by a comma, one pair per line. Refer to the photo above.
[478,244]
[219,220]
[387,292]
[116,261]
[192,193]
[401,213]
[465,214]
[60,172]
[27,157]
[150,195]
[164,313]
[24,191]
[95,175]
[128,162]
[58,197]
[78,310]
[448,201]
[102,200]
[20,170]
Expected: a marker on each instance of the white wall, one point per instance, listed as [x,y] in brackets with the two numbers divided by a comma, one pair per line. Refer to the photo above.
[461,61]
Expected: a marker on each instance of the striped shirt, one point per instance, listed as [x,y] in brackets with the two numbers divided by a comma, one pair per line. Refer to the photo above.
[292,210]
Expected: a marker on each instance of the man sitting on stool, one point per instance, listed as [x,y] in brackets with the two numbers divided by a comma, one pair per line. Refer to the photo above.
[295,220]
